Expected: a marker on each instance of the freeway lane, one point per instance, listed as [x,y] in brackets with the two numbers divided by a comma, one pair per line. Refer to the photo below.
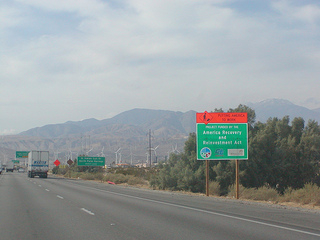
[57,208]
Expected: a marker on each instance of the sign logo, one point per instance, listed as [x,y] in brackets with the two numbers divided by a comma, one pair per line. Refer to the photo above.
[219,152]
[205,152]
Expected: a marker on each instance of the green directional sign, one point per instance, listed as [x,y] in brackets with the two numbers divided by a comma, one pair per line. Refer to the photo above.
[22,154]
[16,161]
[222,141]
[91,161]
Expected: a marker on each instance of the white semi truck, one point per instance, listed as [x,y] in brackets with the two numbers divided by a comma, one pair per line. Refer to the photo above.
[9,166]
[38,164]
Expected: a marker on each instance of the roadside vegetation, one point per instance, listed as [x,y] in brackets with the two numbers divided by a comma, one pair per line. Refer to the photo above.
[130,176]
[283,165]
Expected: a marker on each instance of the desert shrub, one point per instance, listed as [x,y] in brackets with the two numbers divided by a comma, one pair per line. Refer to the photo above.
[76,174]
[60,171]
[87,176]
[214,188]
[309,194]
[135,181]
[264,193]
[116,178]
[99,176]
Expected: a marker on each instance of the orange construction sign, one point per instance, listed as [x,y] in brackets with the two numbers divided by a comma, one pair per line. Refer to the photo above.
[217,117]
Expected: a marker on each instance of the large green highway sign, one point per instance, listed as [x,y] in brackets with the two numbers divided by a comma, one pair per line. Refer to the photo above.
[222,141]
[22,154]
[222,136]
[91,161]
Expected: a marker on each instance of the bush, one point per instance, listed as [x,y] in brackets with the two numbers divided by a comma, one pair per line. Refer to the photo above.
[261,194]
[136,181]
[214,188]
[309,194]
[76,174]
[99,176]
[58,170]
[116,178]
[87,176]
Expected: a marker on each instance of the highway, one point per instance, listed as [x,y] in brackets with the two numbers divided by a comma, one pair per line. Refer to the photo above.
[58,208]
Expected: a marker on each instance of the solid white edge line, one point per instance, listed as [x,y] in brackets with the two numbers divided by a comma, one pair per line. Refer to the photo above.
[87,211]
[209,212]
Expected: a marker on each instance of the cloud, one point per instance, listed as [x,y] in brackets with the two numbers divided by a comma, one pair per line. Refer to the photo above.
[89,58]
[81,7]
[9,17]
[8,132]
[307,13]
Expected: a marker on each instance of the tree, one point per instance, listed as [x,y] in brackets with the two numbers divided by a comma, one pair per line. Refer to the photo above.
[280,156]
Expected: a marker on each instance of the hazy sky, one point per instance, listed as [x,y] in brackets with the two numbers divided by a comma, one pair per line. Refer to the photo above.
[78,59]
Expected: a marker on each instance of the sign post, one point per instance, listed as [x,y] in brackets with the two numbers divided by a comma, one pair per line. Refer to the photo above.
[222,136]
[207,177]
[237,179]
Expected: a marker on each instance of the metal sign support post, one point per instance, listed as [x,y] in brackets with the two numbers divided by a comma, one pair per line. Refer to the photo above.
[207,177]
[237,179]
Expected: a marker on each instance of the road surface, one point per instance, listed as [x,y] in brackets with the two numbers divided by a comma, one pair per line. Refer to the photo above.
[57,208]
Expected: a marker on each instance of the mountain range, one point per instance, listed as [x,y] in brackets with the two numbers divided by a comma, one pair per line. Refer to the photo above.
[129,132]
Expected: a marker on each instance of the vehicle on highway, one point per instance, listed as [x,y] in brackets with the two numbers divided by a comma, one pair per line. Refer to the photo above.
[38,164]
[10,166]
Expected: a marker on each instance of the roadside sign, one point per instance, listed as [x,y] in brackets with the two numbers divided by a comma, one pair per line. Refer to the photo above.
[91,161]
[22,154]
[222,141]
[218,117]
[16,161]
[69,162]
[56,162]
[222,136]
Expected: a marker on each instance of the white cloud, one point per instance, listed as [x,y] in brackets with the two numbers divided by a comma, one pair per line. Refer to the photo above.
[8,132]
[308,13]
[89,58]
[8,17]
[81,7]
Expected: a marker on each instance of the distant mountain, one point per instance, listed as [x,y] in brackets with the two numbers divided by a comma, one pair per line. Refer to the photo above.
[317,110]
[280,108]
[129,131]
[162,122]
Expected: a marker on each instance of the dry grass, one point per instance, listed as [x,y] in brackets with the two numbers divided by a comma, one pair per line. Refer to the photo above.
[214,188]
[258,194]
[309,195]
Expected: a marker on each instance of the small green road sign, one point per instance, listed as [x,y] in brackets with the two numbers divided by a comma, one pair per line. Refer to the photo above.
[91,161]
[22,154]
[222,141]
[16,161]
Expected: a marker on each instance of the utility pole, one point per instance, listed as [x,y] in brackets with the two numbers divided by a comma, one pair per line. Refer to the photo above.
[150,153]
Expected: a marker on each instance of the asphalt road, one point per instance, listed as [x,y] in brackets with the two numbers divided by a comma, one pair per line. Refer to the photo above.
[56,208]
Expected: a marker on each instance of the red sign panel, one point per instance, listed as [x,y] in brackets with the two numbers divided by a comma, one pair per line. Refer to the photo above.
[217,117]
[56,162]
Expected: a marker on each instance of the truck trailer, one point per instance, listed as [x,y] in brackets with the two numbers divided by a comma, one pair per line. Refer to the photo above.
[9,166]
[38,164]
